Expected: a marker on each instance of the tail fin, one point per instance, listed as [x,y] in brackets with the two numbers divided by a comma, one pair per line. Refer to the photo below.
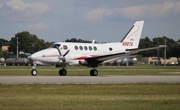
[131,39]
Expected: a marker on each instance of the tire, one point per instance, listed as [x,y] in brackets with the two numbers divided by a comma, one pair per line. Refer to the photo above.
[62,72]
[93,72]
[33,72]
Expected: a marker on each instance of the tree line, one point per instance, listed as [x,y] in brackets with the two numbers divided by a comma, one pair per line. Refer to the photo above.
[30,43]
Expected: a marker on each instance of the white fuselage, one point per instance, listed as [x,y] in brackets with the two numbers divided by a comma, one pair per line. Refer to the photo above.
[78,52]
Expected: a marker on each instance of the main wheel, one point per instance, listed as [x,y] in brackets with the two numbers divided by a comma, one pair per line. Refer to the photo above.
[62,72]
[33,72]
[93,72]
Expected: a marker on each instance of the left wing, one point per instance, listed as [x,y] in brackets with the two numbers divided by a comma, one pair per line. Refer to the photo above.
[94,61]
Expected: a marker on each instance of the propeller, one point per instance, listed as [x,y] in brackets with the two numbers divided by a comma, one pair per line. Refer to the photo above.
[62,57]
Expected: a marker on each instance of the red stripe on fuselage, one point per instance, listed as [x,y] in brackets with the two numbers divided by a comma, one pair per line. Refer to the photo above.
[52,56]
[80,58]
[83,57]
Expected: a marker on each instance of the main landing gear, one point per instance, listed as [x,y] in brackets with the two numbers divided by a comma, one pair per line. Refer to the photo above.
[62,72]
[94,72]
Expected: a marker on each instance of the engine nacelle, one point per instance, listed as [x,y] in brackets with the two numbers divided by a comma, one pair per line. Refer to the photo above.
[2,60]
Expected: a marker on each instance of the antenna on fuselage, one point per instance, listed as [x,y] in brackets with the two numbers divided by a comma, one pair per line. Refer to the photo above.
[93,41]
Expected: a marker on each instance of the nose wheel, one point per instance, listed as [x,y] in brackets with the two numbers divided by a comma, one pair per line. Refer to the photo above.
[94,72]
[33,72]
[62,72]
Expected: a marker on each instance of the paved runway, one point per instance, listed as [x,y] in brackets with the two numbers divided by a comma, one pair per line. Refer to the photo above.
[87,79]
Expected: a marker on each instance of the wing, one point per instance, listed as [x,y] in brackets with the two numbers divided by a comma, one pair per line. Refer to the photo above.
[96,60]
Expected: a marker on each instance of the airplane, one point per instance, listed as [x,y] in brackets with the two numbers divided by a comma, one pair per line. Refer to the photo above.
[89,54]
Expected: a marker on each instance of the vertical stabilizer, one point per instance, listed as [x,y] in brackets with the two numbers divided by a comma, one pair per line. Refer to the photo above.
[131,39]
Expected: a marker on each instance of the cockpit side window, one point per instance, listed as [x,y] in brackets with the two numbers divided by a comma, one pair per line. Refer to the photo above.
[55,46]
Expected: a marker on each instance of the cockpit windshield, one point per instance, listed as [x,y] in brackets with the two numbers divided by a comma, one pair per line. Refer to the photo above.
[55,46]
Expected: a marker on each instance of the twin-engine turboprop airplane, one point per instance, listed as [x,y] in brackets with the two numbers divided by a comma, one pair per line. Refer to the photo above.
[89,54]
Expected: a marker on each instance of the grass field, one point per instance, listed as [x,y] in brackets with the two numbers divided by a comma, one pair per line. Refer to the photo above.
[143,96]
[87,97]
[84,71]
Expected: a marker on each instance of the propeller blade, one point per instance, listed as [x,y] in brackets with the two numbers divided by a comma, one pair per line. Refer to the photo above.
[58,51]
[66,53]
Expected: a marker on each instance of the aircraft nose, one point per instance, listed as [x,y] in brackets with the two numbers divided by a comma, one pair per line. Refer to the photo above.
[34,56]
[41,55]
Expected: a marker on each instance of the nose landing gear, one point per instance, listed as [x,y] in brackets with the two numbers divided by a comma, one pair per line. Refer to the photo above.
[33,71]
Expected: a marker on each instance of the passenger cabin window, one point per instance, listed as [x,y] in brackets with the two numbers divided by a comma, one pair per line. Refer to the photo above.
[76,47]
[85,48]
[95,48]
[90,48]
[65,47]
[80,47]
[55,46]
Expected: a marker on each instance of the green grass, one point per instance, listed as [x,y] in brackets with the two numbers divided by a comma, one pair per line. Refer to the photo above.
[144,96]
[87,97]
[84,71]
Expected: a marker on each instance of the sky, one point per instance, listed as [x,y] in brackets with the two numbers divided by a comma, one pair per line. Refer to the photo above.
[102,20]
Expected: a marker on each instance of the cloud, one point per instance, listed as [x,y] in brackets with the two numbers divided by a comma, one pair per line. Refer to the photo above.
[28,9]
[150,11]
[155,10]
[98,14]
[37,27]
